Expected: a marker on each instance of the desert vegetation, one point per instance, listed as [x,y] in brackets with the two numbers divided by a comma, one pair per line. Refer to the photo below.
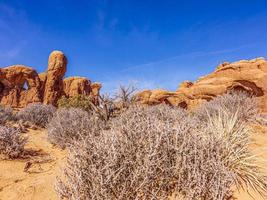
[6,114]
[36,113]
[154,152]
[70,125]
[12,142]
[79,101]
[118,149]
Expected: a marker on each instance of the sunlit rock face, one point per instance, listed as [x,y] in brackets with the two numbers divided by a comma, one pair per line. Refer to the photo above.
[244,75]
[21,85]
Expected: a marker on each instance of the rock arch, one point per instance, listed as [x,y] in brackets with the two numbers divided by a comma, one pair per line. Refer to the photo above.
[246,86]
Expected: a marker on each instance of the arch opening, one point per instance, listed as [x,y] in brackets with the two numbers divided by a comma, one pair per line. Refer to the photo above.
[183,105]
[26,86]
[2,87]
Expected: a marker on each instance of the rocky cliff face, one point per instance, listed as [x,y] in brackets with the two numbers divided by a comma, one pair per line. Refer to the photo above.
[244,75]
[21,85]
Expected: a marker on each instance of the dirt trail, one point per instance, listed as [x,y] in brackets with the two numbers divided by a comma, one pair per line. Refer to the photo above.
[38,182]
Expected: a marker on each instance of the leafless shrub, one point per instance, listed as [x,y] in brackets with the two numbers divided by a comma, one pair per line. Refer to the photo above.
[37,113]
[241,103]
[11,142]
[6,113]
[129,161]
[125,95]
[154,152]
[70,125]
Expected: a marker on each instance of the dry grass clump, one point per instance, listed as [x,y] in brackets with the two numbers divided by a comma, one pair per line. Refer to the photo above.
[216,157]
[11,142]
[230,103]
[155,152]
[68,125]
[37,113]
[6,113]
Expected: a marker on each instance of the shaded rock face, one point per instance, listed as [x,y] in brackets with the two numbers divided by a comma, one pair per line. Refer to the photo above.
[244,75]
[21,85]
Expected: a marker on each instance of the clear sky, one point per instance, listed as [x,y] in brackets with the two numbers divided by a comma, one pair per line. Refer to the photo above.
[151,43]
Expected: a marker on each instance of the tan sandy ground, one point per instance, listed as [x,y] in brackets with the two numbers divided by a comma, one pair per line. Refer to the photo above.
[38,182]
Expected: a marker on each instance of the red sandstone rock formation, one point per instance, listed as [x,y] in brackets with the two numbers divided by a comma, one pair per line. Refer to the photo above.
[57,65]
[21,85]
[96,91]
[76,85]
[246,75]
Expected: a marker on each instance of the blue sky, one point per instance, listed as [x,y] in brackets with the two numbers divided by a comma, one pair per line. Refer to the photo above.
[151,43]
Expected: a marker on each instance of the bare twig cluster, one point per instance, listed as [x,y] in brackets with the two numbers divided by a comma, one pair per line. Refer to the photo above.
[6,113]
[70,125]
[37,113]
[11,142]
[154,152]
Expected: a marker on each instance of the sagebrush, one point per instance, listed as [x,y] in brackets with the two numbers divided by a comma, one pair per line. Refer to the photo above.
[154,152]
[70,125]
[12,142]
[37,113]
[6,113]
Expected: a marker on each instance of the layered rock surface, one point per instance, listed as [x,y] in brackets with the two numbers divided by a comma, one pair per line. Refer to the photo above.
[21,85]
[244,75]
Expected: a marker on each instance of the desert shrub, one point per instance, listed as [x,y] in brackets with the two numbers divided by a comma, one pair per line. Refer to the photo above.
[217,158]
[128,161]
[70,125]
[79,101]
[153,152]
[37,113]
[11,142]
[6,113]
[241,103]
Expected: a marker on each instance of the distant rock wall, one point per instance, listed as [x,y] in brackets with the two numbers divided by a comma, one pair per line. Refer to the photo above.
[21,85]
[245,75]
